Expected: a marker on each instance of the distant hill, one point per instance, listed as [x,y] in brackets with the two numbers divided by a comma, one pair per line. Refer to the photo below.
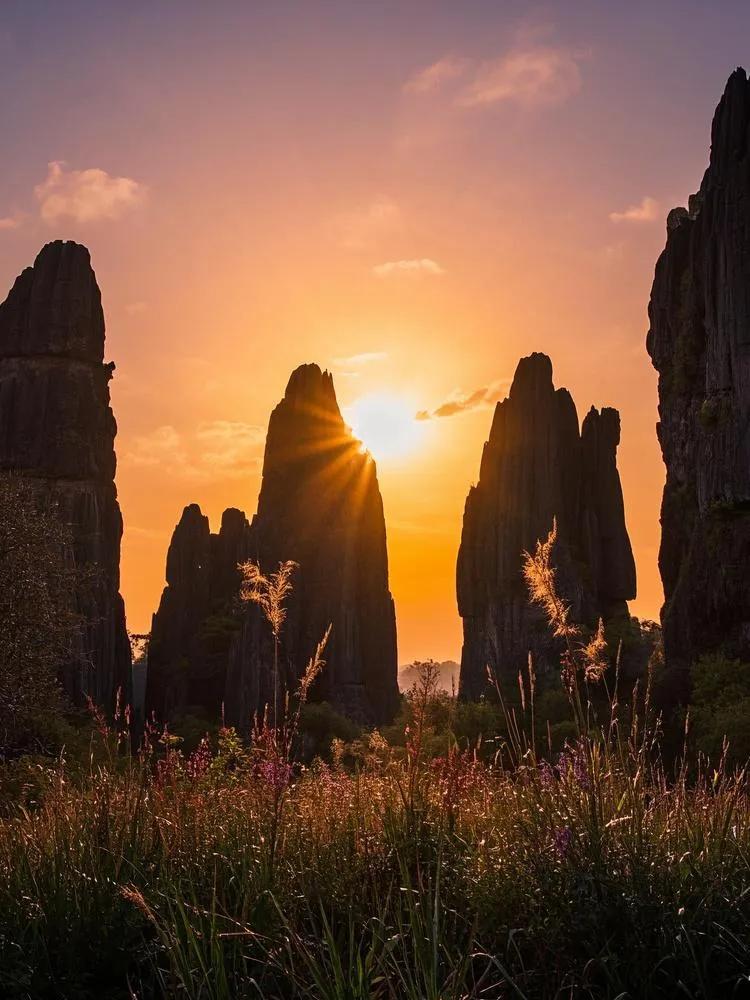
[447,681]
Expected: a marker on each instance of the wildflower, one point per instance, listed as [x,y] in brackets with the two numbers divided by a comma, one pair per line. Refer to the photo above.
[199,760]
[581,770]
[276,773]
[574,761]
[546,775]
[562,838]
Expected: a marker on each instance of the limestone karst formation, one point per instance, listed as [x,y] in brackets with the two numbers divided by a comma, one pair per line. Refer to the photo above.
[197,617]
[699,342]
[57,429]
[320,506]
[537,466]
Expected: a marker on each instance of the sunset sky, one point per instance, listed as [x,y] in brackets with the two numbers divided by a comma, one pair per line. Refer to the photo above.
[411,194]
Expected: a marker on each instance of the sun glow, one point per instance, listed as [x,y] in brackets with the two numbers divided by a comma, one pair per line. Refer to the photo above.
[386,425]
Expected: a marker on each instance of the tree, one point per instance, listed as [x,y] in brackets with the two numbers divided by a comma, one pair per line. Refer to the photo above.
[40,629]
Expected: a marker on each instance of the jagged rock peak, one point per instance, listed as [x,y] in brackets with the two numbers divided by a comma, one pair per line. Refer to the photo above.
[533,374]
[55,307]
[308,384]
[730,130]
[536,467]
[320,506]
[196,621]
[698,341]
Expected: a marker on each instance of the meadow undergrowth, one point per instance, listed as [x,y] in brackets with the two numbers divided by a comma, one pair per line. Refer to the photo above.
[386,872]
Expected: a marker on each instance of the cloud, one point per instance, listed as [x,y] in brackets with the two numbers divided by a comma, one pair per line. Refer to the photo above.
[355,360]
[230,445]
[529,76]
[85,195]
[459,402]
[362,226]
[432,78]
[646,211]
[10,222]
[421,265]
[218,447]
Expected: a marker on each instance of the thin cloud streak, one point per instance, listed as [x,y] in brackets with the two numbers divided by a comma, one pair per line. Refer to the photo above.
[530,74]
[416,266]
[366,358]
[539,76]
[432,78]
[461,402]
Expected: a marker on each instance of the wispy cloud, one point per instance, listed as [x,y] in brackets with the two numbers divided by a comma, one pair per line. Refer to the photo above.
[219,447]
[10,221]
[86,195]
[432,78]
[460,402]
[535,76]
[230,445]
[416,266]
[356,360]
[365,225]
[534,71]
[647,210]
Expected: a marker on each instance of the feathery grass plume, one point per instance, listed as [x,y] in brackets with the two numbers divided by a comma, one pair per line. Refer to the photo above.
[541,576]
[314,668]
[581,658]
[594,654]
[270,593]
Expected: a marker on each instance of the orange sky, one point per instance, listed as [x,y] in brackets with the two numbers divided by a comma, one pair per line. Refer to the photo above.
[248,181]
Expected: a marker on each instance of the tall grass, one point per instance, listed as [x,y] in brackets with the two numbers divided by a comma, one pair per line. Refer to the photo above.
[238,872]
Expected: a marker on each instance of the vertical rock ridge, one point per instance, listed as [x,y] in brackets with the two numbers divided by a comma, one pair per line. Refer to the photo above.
[536,466]
[57,428]
[195,623]
[320,505]
[699,342]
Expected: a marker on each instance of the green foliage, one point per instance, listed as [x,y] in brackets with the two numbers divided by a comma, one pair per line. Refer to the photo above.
[40,627]
[320,725]
[720,709]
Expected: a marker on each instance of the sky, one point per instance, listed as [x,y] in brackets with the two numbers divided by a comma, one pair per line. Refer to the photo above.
[411,194]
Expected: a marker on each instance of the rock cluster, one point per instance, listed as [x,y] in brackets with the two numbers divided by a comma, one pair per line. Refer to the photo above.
[197,617]
[319,506]
[57,429]
[699,342]
[537,467]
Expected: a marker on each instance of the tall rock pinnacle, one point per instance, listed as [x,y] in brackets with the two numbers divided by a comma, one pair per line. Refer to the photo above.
[536,467]
[196,622]
[320,506]
[699,342]
[57,429]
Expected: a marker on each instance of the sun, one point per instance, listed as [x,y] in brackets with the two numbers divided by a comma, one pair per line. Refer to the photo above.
[386,425]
